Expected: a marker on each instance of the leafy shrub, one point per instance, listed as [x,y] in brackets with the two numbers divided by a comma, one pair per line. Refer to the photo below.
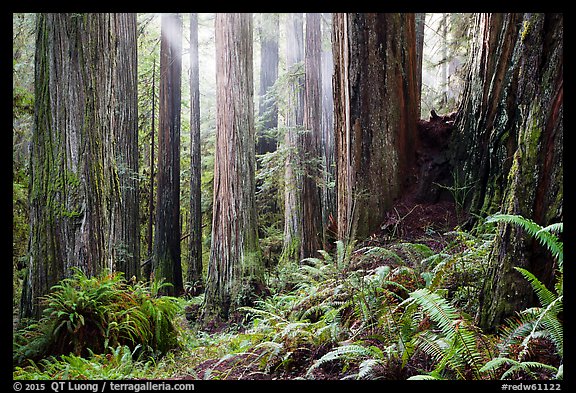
[118,363]
[86,315]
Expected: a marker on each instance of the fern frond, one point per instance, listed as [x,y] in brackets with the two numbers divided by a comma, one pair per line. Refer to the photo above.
[432,344]
[439,310]
[554,228]
[461,342]
[516,328]
[528,368]
[339,353]
[556,333]
[547,318]
[496,363]
[367,368]
[515,366]
[545,236]
[544,295]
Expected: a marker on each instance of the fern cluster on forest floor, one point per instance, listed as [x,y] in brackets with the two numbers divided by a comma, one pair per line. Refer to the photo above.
[390,311]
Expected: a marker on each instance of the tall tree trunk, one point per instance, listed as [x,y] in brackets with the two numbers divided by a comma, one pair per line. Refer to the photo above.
[294,124]
[420,19]
[125,126]
[508,144]
[268,109]
[235,268]
[375,116]
[310,140]
[166,263]
[74,189]
[194,276]
[152,166]
[445,61]
[328,188]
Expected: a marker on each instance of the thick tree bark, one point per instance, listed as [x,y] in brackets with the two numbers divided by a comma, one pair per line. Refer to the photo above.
[294,124]
[75,189]
[269,57]
[485,138]
[235,268]
[518,132]
[194,276]
[166,263]
[125,127]
[310,141]
[375,116]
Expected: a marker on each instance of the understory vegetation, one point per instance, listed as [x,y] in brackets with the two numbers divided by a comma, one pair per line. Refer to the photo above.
[400,310]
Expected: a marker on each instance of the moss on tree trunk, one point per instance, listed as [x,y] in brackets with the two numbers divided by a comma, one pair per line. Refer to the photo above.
[509,145]
[74,189]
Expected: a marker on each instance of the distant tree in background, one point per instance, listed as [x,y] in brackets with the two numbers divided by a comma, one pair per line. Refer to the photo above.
[269,31]
[194,274]
[294,124]
[310,140]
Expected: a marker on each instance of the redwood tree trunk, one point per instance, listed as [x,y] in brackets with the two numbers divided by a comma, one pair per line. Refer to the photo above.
[194,276]
[375,116]
[310,141]
[329,175]
[166,264]
[149,234]
[125,127]
[420,19]
[74,189]
[235,265]
[517,105]
[485,138]
[294,124]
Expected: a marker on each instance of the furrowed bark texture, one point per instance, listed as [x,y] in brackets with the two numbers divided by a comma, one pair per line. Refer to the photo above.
[294,125]
[235,262]
[75,187]
[522,125]
[125,127]
[375,116]
[166,263]
[194,276]
[485,137]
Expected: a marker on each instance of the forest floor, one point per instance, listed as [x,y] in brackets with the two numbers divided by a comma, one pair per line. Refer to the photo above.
[407,221]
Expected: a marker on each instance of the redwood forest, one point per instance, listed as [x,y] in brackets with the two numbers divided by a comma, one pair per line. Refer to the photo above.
[287,196]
